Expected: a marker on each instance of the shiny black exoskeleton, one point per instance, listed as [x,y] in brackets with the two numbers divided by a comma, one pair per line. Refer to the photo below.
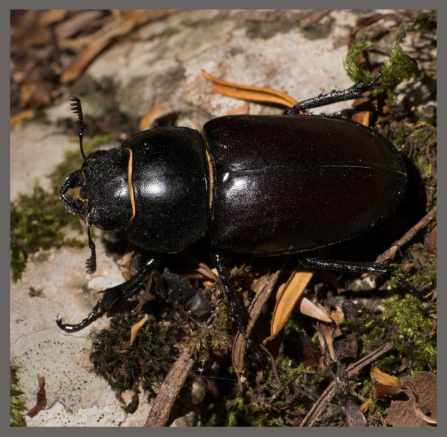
[260,185]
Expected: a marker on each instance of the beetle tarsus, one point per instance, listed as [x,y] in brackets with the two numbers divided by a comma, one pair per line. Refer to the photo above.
[68,327]
[345,266]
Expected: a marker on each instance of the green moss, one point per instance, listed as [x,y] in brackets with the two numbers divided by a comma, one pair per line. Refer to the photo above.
[352,62]
[407,324]
[17,407]
[37,222]
[397,68]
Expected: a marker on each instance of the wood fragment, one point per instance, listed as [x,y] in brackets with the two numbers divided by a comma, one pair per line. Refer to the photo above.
[41,398]
[254,311]
[169,390]
[318,407]
[115,30]
[249,92]
[290,296]
[390,253]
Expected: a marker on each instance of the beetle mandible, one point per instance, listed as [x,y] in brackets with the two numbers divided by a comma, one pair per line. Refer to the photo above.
[251,184]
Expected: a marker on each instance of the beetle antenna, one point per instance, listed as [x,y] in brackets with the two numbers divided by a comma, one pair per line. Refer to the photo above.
[76,107]
[90,264]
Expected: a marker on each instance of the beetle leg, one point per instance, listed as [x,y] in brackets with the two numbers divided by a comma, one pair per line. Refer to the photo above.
[177,291]
[344,266]
[237,310]
[334,96]
[112,297]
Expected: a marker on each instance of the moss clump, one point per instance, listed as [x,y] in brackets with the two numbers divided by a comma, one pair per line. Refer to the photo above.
[352,62]
[271,401]
[17,407]
[407,324]
[422,276]
[146,361]
[397,68]
[37,222]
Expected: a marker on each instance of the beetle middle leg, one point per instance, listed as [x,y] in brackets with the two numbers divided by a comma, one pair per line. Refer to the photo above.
[237,309]
[334,96]
[112,297]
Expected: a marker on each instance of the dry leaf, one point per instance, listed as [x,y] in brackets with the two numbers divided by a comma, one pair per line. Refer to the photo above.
[156,111]
[384,378]
[78,23]
[20,117]
[366,405]
[47,18]
[310,309]
[291,294]
[250,93]
[421,407]
[207,272]
[129,22]
[385,385]
[326,337]
[136,328]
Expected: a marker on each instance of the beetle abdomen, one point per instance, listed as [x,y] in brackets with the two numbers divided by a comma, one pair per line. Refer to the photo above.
[291,184]
[171,189]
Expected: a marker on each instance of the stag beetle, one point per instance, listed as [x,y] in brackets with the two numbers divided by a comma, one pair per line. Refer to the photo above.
[252,184]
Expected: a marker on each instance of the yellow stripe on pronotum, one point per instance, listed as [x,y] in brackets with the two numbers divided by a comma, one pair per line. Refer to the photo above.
[130,184]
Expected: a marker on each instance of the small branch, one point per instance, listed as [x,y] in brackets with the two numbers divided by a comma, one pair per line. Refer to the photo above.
[169,390]
[315,412]
[421,224]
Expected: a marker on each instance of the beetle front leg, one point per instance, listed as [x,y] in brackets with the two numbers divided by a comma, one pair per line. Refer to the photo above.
[112,297]
[237,309]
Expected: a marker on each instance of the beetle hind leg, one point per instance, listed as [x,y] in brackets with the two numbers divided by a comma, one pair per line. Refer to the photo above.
[344,266]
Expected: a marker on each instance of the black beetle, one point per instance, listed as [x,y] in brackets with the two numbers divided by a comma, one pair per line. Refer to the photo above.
[260,185]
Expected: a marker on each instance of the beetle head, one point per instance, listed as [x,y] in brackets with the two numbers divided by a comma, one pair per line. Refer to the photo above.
[101,192]
[101,188]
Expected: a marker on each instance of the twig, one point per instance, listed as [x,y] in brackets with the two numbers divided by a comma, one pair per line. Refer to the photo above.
[318,407]
[421,224]
[41,398]
[169,390]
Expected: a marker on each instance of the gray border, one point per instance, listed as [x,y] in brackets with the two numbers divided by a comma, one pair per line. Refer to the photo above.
[201,4]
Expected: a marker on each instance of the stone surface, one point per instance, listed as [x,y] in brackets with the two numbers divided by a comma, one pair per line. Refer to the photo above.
[161,63]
